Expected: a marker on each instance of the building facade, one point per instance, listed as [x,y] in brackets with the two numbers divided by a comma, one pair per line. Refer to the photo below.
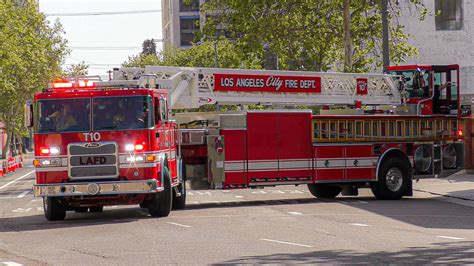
[181,21]
[447,38]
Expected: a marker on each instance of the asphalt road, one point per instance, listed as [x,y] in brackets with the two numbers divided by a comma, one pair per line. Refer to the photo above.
[277,225]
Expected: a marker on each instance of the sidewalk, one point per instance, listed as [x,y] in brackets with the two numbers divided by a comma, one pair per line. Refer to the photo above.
[458,188]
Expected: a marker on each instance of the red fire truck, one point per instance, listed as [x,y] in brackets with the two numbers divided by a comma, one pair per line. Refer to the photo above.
[113,142]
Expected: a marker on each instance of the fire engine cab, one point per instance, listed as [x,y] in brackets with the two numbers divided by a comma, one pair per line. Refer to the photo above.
[113,142]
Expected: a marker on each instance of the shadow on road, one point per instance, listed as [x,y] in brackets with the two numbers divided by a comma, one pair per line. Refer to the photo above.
[425,213]
[444,253]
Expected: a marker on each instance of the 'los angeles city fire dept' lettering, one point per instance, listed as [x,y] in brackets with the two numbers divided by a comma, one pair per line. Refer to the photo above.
[274,82]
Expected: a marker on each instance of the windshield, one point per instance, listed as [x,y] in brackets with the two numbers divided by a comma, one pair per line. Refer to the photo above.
[115,113]
[416,83]
[66,115]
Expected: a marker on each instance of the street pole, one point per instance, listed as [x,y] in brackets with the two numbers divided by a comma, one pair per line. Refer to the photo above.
[216,61]
[385,47]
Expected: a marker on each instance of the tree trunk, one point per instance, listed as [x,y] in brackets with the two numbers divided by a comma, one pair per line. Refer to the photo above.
[6,147]
[347,36]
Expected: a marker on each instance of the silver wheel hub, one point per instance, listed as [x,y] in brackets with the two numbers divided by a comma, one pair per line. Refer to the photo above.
[394,179]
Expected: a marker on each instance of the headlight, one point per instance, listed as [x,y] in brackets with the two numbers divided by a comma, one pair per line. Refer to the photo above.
[136,158]
[48,162]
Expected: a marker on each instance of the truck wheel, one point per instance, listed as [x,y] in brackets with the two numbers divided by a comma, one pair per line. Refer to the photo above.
[160,204]
[393,179]
[96,209]
[179,203]
[53,210]
[324,191]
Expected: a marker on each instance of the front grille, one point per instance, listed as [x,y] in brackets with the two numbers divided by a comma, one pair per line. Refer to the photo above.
[93,160]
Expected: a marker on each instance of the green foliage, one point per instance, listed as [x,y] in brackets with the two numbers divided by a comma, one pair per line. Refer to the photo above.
[203,55]
[76,70]
[31,53]
[307,35]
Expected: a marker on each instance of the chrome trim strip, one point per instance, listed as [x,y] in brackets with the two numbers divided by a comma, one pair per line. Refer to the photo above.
[51,169]
[138,165]
[105,188]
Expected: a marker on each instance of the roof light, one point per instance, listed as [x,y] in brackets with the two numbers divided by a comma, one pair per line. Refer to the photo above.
[85,84]
[460,133]
[62,85]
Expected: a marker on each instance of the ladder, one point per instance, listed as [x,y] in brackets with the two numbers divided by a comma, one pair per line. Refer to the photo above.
[194,87]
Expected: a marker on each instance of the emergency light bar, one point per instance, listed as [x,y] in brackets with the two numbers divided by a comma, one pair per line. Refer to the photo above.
[66,84]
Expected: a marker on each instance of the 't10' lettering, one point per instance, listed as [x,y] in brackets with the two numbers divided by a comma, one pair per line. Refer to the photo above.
[93,136]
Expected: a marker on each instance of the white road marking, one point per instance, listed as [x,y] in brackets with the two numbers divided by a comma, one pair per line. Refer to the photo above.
[182,225]
[203,193]
[362,225]
[239,196]
[295,192]
[277,192]
[23,194]
[11,263]
[361,201]
[191,202]
[22,210]
[225,191]
[19,178]
[40,209]
[451,237]
[295,213]
[287,243]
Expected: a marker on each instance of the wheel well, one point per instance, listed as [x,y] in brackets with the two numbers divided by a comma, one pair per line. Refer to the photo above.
[390,153]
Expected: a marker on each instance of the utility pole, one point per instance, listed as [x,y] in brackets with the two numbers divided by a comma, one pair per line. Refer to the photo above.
[385,47]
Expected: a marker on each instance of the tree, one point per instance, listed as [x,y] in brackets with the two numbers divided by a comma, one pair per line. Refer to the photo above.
[76,70]
[309,35]
[31,53]
[202,55]
[149,47]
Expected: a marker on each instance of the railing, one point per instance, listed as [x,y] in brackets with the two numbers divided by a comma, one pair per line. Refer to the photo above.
[384,129]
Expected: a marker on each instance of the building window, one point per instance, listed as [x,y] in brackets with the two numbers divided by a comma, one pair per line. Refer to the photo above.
[188,5]
[450,14]
[188,27]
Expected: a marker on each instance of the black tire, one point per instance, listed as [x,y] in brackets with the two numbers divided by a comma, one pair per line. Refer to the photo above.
[96,209]
[53,209]
[80,209]
[393,179]
[179,203]
[160,204]
[324,191]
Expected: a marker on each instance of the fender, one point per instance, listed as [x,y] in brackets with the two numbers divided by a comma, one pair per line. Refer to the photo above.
[381,158]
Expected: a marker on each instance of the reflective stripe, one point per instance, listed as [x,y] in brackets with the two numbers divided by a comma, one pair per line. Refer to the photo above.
[295,164]
[330,163]
[263,165]
[234,166]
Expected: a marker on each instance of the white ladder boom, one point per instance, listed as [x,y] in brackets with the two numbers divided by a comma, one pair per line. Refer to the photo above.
[194,87]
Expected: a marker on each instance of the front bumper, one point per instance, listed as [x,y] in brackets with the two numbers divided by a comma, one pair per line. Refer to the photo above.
[97,188]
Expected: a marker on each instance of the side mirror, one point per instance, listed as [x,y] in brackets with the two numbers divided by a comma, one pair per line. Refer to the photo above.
[29,114]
